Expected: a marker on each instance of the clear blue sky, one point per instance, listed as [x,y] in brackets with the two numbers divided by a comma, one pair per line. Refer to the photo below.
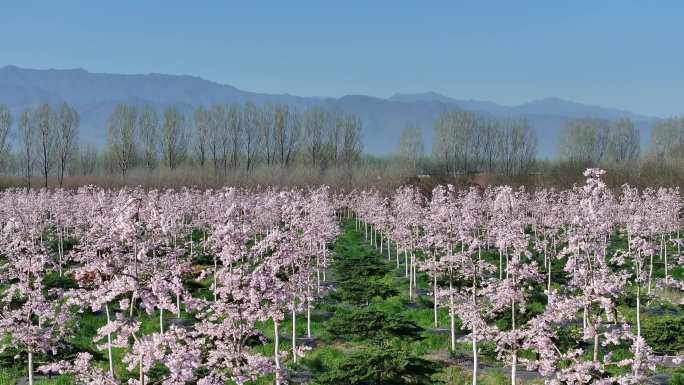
[625,54]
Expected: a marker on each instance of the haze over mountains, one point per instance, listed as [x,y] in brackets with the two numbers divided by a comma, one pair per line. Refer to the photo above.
[95,95]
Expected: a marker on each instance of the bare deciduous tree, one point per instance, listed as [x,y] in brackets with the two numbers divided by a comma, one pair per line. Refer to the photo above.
[46,124]
[411,145]
[352,145]
[266,129]
[518,146]
[667,138]
[314,124]
[87,159]
[251,120]
[27,136]
[585,141]
[624,143]
[121,129]
[234,134]
[217,117]
[466,142]
[174,138]
[286,131]
[202,131]
[148,132]
[5,127]
[66,140]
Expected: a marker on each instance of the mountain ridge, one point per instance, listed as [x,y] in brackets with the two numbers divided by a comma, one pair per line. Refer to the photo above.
[95,95]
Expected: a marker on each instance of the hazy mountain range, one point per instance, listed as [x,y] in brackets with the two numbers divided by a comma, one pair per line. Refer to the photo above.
[95,95]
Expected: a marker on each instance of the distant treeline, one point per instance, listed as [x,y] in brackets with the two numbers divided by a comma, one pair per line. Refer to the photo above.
[232,143]
[222,138]
[466,143]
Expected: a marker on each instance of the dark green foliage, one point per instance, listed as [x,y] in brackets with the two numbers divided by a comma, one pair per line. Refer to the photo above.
[361,291]
[375,366]
[678,273]
[678,377]
[373,325]
[487,349]
[360,265]
[569,337]
[52,280]
[203,259]
[360,274]
[159,371]
[664,334]
[53,243]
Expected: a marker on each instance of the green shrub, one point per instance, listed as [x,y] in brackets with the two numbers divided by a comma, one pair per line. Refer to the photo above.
[380,366]
[677,379]
[664,334]
[374,325]
[363,290]
[455,375]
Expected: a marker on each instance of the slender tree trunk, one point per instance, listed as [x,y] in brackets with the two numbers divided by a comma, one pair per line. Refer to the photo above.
[452,317]
[109,344]
[308,321]
[596,343]
[410,288]
[276,353]
[30,367]
[650,273]
[665,256]
[434,293]
[513,367]
[294,333]
[474,357]
[548,282]
[142,375]
[515,349]
[215,279]
[60,250]
[308,312]
[638,309]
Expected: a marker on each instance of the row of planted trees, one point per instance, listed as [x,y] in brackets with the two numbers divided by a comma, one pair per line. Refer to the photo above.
[257,257]
[584,251]
[221,138]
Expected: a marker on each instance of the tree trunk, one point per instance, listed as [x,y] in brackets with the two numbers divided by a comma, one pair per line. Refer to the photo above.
[515,351]
[276,352]
[434,293]
[294,333]
[109,344]
[650,274]
[452,317]
[142,375]
[474,357]
[30,367]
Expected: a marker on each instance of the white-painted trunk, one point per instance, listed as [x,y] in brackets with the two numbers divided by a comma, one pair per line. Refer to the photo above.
[276,352]
[434,293]
[109,344]
[474,358]
[452,317]
[308,321]
[294,334]
[30,367]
